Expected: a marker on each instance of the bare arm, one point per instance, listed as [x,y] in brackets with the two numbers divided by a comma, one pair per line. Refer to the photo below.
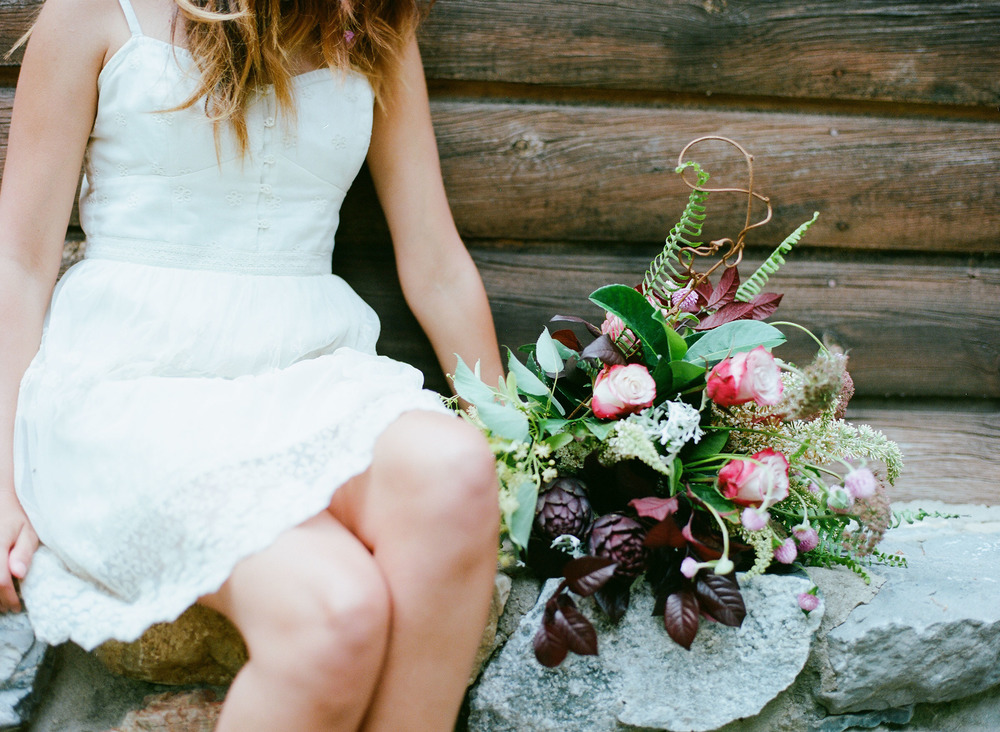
[440,281]
[53,114]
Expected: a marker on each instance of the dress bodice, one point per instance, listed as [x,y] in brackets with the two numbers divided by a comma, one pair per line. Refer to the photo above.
[161,187]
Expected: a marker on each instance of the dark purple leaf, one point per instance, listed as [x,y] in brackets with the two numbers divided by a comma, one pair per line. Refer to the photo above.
[655,508]
[725,292]
[568,338]
[613,598]
[663,573]
[603,348]
[550,646]
[764,305]
[577,632]
[666,533]
[725,314]
[680,617]
[586,575]
[719,596]
[594,330]
[703,550]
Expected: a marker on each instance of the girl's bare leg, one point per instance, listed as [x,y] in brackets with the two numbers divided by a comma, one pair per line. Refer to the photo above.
[427,508]
[315,613]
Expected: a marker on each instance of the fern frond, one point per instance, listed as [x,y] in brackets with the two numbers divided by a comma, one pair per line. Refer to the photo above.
[752,287]
[659,278]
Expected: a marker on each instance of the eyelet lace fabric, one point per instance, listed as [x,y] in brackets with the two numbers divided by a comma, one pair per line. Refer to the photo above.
[204,382]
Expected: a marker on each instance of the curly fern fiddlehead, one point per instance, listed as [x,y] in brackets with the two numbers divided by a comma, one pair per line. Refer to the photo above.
[659,278]
[752,287]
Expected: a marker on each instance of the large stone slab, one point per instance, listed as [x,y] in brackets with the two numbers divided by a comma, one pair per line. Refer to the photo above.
[932,632]
[642,678]
[21,657]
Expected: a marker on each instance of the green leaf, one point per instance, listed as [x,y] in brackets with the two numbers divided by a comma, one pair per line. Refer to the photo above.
[558,440]
[600,430]
[470,387]
[526,381]
[524,515]
[547,353]
[710,495]
[684,373]
[712,443]
[553,426]
[733,337]
[676,344]
[504,420]
[637,314]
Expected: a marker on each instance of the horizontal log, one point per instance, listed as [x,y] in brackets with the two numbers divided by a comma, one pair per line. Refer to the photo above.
[934,51]
[942,52]
[948,455]
[533,171]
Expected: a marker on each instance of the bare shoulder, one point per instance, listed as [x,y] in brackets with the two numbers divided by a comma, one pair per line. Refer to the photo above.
[79,33]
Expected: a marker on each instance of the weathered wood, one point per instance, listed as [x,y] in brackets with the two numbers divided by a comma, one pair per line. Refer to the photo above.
[950,454]
[933,51]
[841,49]
[532,171]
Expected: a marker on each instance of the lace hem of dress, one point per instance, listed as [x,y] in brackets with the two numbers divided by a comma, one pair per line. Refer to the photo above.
[152,573]
[203,257]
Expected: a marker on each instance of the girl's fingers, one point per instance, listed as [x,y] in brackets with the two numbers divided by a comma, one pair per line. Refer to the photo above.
[24,549]
[8,597]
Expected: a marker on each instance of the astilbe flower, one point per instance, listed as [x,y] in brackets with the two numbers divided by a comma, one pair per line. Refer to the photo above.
[562,508]
[874,518]
[817,389]
[620,538]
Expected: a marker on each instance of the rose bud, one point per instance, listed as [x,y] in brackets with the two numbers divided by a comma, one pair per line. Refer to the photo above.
[745,377]
[761,481]
[562,508]
[619,538]
[860,483]
[621,390]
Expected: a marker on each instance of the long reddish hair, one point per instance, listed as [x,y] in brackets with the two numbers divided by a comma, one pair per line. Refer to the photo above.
[241,46]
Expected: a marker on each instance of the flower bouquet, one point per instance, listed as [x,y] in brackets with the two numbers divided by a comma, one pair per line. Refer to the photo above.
[674,445]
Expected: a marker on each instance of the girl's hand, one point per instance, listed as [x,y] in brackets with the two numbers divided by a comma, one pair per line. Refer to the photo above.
[19,542]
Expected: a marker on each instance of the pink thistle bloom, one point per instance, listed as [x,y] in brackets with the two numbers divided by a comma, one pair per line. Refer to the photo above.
[754,520]
[860,483]
[686,299]
[807,538]
[689,567]
[786,553]
[808,602]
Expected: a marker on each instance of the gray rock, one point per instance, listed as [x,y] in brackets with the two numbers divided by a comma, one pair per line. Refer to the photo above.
[21,657]
[642,678]
[932,633]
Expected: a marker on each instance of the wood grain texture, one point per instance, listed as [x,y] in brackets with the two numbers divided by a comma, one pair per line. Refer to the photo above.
[932,51]
[942,52]
[949,454]
[549,172]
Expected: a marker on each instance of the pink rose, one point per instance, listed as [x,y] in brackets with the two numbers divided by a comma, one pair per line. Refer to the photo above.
[760,481]
[747,376]
[621,390]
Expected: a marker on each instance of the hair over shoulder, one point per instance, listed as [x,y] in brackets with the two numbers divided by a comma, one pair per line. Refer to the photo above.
[243,45]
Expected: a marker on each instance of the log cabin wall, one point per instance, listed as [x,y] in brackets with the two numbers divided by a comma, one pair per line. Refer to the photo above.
[559,123]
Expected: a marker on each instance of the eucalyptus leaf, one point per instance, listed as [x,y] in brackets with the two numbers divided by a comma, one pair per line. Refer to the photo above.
[526,381]
[470,387]
[733,337]
[554,426]
[558,440]
[600,430]
[547,353]
[524,515]
[504,420]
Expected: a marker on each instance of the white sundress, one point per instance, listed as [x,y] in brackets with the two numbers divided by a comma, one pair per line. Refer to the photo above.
[204,382]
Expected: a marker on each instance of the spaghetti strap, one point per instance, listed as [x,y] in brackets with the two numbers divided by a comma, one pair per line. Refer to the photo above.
[130,17]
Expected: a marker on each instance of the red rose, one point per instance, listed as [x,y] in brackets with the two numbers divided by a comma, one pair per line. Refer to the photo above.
[747,376]
[621,390]
[760,481]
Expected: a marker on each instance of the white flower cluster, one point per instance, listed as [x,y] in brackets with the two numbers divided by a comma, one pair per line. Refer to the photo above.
[672,424]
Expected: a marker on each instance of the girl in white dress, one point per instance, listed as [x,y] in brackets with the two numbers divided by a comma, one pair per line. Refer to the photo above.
[196,412]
